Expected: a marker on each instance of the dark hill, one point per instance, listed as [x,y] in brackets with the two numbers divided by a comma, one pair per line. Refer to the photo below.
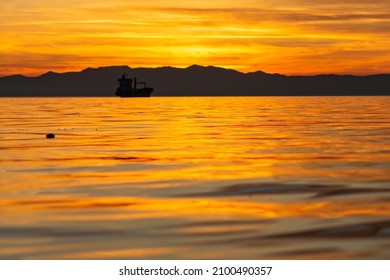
[194,80]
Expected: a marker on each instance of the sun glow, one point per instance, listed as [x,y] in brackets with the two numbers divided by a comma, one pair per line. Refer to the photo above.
[290,37]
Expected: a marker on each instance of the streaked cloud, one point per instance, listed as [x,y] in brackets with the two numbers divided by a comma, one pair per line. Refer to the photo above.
[285,36]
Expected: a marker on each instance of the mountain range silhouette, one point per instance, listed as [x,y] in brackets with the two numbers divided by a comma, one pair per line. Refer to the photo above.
[192,81]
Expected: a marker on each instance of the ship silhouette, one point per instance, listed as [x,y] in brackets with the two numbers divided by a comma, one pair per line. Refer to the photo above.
[129,88]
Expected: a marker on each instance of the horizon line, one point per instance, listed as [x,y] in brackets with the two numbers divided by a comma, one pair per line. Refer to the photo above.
[195,65]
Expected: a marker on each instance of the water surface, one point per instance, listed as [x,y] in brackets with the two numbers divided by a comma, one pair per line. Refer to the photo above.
[195,178]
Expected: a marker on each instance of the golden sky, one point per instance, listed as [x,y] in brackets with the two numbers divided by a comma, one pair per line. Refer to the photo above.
[279,36]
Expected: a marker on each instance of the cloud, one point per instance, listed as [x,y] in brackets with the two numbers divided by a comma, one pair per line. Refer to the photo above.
[249,34]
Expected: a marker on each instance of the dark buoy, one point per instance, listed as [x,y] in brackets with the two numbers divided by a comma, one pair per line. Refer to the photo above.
[50,135]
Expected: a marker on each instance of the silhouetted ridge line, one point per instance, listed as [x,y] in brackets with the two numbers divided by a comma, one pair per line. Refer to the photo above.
[194,80]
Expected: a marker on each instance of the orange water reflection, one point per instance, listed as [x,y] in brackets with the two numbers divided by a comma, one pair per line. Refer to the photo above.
[174,177]
[132,207]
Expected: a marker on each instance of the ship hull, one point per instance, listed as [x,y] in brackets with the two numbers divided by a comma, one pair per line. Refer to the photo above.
[142,92]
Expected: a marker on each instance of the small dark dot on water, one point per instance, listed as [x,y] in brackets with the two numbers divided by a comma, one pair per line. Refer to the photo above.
[50,135]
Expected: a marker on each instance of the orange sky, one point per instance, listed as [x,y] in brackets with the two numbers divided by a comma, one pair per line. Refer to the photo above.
[284,36]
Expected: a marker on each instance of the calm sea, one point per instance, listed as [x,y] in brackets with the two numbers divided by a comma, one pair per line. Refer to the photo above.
[195,178]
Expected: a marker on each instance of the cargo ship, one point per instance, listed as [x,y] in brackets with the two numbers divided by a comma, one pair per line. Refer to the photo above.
[132,88]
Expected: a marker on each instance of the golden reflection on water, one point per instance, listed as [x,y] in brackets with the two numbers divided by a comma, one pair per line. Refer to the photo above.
[302,177]
[132,207]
